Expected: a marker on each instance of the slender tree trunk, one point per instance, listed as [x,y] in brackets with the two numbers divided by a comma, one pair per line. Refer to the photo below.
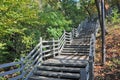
[103,32]
[98,6]
[101,15]
[99,12]
[118,5]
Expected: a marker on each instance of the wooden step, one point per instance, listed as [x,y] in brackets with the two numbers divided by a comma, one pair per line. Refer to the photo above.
[81,40]
[59,69]
[71,53]
[75,51]
[34,77]
[70,58]
[82,50]
[57,74]
[76,46]
[75,65]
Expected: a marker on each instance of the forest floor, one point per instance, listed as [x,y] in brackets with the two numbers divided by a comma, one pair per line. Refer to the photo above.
[111,69]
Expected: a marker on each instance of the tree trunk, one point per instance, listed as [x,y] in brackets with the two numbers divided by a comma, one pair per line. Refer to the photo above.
[99,12]
[101,15]
[118,6]
[98,6]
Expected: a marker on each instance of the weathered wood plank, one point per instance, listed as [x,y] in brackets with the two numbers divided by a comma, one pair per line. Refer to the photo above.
[9,64]
[58,74]
[44,78]
[59,69]
[79,65]
[76,57]
[10,72]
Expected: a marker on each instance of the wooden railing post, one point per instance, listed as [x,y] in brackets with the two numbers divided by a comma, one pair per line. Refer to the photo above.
[70,37]
[79,28]
[58,46]
[91,57]
[22,66]
[76,34]
[73,32]
[63,40]
[41,55]
[53,47]
[64,36]
[91,70]
[83,74]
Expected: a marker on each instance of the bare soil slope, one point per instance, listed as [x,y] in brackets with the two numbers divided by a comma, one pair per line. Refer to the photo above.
[111,70]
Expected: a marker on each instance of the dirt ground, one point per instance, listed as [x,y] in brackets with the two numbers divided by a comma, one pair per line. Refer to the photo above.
[111,69]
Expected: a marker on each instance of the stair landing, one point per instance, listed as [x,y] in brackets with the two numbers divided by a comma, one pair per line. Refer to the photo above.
[68,58]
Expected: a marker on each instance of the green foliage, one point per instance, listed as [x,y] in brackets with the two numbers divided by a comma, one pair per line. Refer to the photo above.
[54,32]
[115,17]
[72,12]
[53,21]
[22,22]
[1,78]
[78,11]
[2,51]
[17,19]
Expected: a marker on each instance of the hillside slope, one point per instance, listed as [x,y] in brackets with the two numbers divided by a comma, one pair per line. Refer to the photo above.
[111,70]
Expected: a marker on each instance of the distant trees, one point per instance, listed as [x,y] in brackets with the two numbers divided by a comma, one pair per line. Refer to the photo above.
[19,22]
[22,22]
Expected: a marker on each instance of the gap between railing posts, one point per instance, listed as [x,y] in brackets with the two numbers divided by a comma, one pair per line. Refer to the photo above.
[62,41]
[17,68]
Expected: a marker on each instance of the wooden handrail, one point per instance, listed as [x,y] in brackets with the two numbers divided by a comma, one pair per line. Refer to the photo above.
[9,64]
[91,57]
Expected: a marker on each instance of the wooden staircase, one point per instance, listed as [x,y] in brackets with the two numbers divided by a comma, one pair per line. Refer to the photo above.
[67,66]
[58,71]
